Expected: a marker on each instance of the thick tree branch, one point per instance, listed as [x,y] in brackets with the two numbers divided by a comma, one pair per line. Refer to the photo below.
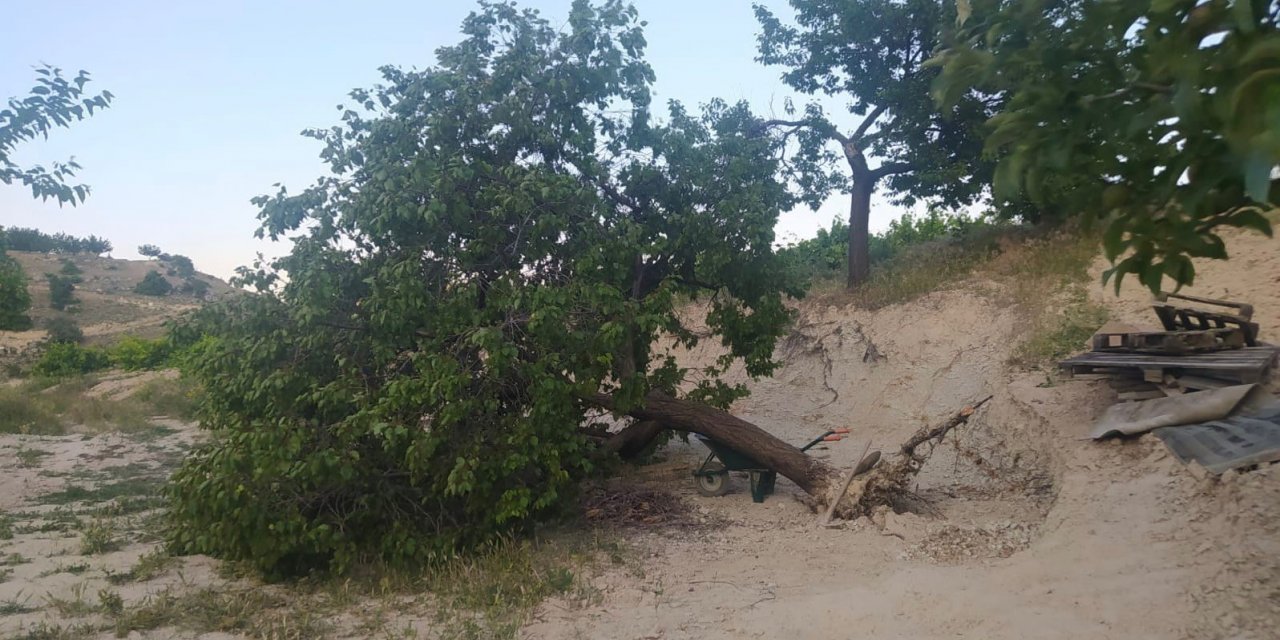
[890,168]
[867,122]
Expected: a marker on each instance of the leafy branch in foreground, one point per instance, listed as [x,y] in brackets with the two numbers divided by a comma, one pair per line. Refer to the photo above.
[55,101]
[1164,117]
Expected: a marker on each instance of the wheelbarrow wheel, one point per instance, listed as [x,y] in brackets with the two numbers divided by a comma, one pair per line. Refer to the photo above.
[712,484]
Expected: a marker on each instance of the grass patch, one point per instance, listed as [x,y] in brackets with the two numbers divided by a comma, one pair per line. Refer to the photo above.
[130,488]
[28,457]
[256,613]
[46,631]
[12,607]
[48,407]
[491,594]
[149,565]
[25,413]
[73,569]
[13,560]
[1057,336]
[6,526]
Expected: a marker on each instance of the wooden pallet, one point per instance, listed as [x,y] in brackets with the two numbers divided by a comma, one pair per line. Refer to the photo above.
[1179,318]
[1241,366]
[1170,342]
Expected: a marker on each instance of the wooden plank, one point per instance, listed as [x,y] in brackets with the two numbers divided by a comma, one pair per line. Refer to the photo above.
[1248,358]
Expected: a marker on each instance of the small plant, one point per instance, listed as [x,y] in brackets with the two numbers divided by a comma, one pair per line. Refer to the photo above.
[13,607]
[153,284]
[148,566]
[99,536]
[27,458]
[110,602]
[70,270]
[6,526]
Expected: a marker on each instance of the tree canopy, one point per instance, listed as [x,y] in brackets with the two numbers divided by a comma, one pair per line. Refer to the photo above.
[501,242]
[873,53]
[1161,118]
[55,101]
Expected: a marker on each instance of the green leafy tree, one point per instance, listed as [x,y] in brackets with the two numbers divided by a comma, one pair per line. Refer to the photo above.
[873,53]
[15,301]
[53,102]
[502,241]
[149,251]
[1163,116]
[61,291]
[153,284]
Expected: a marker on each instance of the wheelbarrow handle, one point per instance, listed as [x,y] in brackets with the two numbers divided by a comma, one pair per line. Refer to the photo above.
[826,437]
[841,430]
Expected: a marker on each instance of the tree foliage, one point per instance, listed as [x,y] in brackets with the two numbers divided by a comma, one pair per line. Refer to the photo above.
[62,291]
[15,301]
[501,241]
[55,101]
[153,284]
[873,53]
[1160,118]
[23,239]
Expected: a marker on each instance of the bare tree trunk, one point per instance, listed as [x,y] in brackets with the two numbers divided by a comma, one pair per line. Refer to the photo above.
[633,439]
[813,476]
[859,230]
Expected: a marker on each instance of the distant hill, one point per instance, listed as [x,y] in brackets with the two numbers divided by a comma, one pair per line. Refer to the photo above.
[109,308]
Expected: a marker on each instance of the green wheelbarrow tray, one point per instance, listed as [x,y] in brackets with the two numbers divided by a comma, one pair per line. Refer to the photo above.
[712,478]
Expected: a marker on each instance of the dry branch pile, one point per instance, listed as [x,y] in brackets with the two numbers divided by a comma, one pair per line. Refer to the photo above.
[636,507]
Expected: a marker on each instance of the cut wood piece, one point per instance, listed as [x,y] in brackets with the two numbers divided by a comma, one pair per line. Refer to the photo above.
[1240,366]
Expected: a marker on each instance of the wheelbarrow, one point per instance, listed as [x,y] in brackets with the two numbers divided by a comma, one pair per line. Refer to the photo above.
[712,478]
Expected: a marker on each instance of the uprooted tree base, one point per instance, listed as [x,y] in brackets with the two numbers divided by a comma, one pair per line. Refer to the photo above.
[886,484]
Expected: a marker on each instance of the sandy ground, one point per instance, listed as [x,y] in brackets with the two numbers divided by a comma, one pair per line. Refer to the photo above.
[1043,534]
[1030,529]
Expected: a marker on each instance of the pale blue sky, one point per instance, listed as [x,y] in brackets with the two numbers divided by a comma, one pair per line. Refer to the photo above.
[211,97]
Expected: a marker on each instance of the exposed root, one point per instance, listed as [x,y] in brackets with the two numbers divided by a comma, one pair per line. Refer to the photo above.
[889,484]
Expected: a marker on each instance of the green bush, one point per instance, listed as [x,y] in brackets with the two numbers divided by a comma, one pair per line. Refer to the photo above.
[63,359]
[153,284]
[14,298]
[134,354]
[70,270]
[64,329]
[61,291]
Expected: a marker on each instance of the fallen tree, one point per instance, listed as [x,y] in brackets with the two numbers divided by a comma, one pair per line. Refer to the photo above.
[500,252]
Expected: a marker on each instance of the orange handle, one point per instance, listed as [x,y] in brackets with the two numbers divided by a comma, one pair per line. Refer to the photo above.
[834,438]
[841,430]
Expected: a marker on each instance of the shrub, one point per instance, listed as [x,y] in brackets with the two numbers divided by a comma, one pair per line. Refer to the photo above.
[70,269]
[181,266]
[14,298]
[64,329]
[61,292]
[149,250]
[63,359]
[134,354]
[194,287]
[153,284]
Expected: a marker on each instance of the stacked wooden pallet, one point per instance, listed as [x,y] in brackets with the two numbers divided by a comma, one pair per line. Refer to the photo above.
[1198,350]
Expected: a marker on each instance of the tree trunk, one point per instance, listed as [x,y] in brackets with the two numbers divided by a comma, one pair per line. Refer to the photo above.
[633,440]
[859,234]
[813,476]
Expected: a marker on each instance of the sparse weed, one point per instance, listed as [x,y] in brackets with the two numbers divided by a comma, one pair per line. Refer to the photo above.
[148,566]
[29,457]
[100,536]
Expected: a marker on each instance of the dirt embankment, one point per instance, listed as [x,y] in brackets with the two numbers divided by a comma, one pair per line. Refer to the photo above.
[1024,528]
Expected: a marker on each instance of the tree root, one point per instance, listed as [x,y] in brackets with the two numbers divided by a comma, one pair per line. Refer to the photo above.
[889,483]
